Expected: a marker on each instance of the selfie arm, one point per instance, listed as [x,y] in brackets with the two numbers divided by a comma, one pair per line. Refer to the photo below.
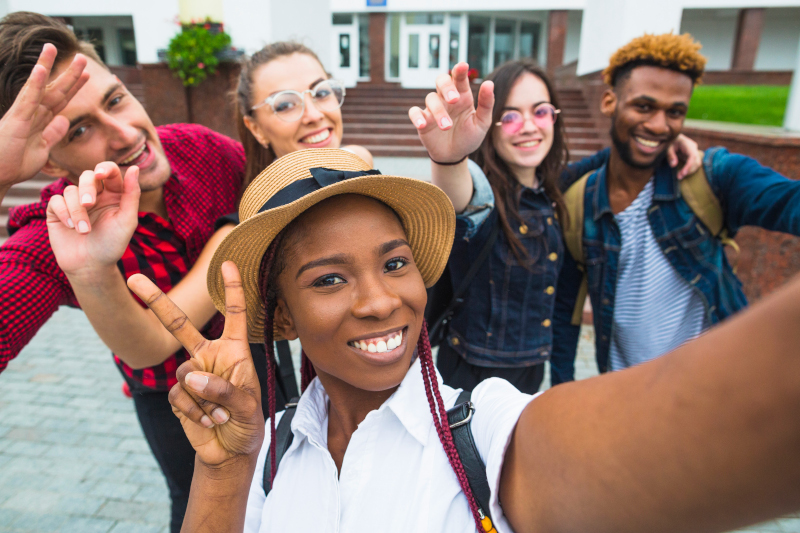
[702,439]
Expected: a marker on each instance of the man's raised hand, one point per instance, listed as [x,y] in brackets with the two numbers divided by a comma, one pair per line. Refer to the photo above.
[31,126]
[450,127]
[217,397]
[91,225]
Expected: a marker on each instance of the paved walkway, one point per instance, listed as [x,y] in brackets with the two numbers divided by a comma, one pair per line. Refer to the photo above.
[72,455]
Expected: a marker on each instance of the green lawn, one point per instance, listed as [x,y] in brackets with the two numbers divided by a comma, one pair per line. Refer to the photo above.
[744,104]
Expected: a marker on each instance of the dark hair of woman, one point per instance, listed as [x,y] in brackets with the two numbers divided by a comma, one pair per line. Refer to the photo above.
[504,184]
[258,157]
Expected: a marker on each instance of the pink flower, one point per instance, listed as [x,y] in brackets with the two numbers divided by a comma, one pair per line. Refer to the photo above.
[201,65]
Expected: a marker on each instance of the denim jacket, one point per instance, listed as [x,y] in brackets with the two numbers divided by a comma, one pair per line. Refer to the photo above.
[749,193]
[506,317]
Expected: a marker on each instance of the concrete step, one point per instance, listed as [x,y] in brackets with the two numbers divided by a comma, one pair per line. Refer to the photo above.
[396,151]
[388,139]
[15,201]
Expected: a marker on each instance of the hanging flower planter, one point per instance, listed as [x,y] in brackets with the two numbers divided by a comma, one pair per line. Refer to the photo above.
[194,53]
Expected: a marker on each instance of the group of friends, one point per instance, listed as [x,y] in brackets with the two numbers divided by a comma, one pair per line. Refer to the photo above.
[157,231]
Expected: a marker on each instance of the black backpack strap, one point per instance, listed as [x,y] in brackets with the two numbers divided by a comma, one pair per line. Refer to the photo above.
[286,368]
[283,439]
[458,295]
[459,418]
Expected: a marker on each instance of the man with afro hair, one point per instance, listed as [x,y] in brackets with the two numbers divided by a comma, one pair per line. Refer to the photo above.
[656,274]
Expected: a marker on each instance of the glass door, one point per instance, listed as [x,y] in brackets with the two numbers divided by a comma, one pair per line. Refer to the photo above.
[424,49]
[345,49]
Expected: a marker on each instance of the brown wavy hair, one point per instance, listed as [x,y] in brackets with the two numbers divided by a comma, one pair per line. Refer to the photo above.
[258,157]
[506,187]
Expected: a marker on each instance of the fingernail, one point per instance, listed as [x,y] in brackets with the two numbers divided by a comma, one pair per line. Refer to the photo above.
[206,422]
[86,199]
[452,95]
[446,122]
[420,123]
[83,227]
[219,415]
[70,223]
[197,381]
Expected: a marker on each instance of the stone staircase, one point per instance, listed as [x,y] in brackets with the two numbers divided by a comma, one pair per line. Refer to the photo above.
[376,117]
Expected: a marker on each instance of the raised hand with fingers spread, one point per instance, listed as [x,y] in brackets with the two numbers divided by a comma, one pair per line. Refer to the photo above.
[31,126]
[218,396]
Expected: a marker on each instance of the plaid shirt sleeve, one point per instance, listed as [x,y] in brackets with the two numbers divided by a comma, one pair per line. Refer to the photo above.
[32,287]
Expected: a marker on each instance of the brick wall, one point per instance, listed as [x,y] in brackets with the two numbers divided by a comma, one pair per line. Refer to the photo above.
[768,259]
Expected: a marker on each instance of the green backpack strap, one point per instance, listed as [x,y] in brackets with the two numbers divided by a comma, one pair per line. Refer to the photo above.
[572,229]
[697,192]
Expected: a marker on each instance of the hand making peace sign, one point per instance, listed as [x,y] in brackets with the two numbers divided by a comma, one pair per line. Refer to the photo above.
[217,397]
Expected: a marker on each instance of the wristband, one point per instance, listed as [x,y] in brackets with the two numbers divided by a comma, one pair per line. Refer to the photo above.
[447,164]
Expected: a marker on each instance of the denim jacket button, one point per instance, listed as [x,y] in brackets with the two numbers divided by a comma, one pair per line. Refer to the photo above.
[546,322]
[454,341]
[553,256]
[549,221]
[606,301]
[550,290]
[523,229]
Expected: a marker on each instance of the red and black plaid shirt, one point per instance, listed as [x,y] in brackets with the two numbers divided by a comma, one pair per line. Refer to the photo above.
[207,170]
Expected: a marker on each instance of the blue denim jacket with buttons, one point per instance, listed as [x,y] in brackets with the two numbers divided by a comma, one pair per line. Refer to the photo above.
[506,317]
[749,193]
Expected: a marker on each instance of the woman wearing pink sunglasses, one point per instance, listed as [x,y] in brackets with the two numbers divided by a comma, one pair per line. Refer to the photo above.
[503,165]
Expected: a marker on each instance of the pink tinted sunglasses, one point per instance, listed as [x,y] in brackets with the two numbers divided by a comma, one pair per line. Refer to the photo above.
[544,115]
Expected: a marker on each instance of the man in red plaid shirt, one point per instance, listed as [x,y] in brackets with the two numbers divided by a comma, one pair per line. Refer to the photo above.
[188,175]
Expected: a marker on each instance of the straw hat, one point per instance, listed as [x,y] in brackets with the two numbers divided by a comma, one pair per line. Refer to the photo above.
[301,179]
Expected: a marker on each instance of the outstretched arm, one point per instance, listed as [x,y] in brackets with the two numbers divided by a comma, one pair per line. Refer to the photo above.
[451,128]
[89,259]
[702,439]
[31,126]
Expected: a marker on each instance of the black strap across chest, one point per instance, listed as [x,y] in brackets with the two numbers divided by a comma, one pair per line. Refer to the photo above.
[459,418]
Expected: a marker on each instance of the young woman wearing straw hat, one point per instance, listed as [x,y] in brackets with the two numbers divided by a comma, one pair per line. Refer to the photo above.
[508,198]
[338,256]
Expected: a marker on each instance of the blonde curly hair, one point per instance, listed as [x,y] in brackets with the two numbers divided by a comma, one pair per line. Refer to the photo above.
[680,53]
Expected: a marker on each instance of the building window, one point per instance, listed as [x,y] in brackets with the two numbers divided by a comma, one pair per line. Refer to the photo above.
[478,44]
[529,39]
[344,50]
[425,18]
[127,46]
[433,51]
[503,41]
[363,45]
[393,36]
[455,36]
[95,37]
[413,50]
[342,19]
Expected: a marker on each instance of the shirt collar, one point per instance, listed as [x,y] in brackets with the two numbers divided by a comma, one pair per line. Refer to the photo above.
[665,188]
[409,403]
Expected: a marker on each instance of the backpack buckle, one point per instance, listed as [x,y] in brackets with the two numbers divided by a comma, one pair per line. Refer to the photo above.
[467,420]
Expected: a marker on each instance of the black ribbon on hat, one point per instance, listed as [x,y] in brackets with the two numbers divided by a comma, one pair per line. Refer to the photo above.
[320,178]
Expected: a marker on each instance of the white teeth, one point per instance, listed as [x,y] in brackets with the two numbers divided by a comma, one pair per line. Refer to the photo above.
[648,143]
[362,345]
[381,347]
[399,339]
[528,144]
[318,138]
[371,348]
[134,156]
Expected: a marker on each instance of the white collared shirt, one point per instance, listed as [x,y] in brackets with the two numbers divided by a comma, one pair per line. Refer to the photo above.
[395,474]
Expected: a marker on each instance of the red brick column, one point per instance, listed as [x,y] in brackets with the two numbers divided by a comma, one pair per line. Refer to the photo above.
[556,39]
[377,43]
[748,37]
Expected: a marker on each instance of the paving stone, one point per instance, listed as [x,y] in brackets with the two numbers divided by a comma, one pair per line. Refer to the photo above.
[125,510]
[39,522]
[8,516]
[131,527]
[133,445]
[87,525]
[140,459]
[80,505]
[153,494]
[114,490]
[790,525]
[147,476]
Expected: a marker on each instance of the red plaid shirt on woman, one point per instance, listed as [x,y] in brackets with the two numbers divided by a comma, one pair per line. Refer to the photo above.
[207,170]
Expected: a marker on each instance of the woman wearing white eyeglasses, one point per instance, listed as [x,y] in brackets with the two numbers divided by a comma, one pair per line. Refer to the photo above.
[508,200]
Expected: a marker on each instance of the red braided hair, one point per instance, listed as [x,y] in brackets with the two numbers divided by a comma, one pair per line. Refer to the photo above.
[439,413]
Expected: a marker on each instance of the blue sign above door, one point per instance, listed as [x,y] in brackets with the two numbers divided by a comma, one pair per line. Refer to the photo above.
[376,3]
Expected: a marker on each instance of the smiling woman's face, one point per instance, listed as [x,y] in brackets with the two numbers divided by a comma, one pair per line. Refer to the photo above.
[351,292]
[317,128]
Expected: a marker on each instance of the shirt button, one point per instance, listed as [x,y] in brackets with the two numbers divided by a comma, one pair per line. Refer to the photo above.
[546,322]
[550,290]
[523,229]
[553,256]
[549,221]
[606,301]
[454,341]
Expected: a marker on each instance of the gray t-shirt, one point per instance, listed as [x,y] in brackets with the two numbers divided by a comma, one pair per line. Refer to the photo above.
[655,309]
